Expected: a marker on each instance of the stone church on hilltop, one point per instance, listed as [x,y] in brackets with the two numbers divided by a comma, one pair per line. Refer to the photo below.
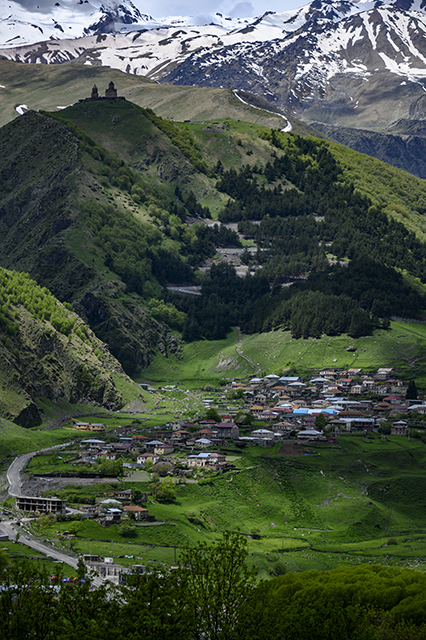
[110,93]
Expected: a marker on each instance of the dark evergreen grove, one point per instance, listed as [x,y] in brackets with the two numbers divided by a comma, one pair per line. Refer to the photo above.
[215,596]
[344,257]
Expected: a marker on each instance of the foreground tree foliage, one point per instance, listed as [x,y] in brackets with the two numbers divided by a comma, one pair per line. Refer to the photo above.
[213,595]
[218,587]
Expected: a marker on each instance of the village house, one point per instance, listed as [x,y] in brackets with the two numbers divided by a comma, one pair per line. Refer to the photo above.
[150,446]
[228,430]
[399,428]
[257,410]
[203,443]
[310,434]
[139,439]
[110,516]
[122,448]
[262,433]
[143,458]
[163,449]
[356,389]
[198,460]
[204,433]
[82,426]
[350,424]
[383,373]
[180,436]
[124,494]
[206,459]
[260,396]
[139,513]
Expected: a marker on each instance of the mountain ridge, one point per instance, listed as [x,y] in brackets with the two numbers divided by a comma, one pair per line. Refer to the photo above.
[360,64]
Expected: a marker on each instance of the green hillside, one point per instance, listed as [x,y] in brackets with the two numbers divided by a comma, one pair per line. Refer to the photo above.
[300,507]
[53,87]
[48,353]
[106,204]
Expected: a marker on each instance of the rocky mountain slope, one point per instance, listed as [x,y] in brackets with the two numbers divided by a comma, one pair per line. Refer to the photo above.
[46,176]
[47,352]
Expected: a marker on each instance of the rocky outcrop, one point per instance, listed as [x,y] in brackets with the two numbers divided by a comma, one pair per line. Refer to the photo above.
[39,362]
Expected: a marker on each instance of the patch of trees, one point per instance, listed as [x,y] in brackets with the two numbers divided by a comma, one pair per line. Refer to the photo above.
[167,312]
[212,594]
[17,289]
[226,301]
[162,489]
[354,300]
[375,287]
[312,313]
[132,249]
[356,603]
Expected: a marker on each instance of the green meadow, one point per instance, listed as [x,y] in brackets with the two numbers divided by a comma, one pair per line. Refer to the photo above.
[403,347]
[15,439]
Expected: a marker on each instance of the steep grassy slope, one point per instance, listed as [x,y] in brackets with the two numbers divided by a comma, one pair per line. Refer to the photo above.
[402,347]
[48,353]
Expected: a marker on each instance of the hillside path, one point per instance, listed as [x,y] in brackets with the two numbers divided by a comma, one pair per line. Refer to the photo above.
[238,349]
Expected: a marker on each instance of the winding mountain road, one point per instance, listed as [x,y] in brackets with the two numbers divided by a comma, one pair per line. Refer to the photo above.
[12,529]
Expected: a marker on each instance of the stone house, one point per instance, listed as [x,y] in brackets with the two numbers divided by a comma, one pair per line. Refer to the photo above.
[228,430]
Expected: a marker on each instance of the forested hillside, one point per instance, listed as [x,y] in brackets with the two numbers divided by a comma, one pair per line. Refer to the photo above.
[312,228]
[106,205]
[46,351]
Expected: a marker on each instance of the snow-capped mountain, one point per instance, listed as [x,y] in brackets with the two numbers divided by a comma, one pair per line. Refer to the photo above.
[327,60]
[78,18]
[322,60]
[65,19]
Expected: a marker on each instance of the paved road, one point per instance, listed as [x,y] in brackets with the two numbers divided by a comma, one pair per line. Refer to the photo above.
[19,464]
[8,526]
[14,473]
[11,530]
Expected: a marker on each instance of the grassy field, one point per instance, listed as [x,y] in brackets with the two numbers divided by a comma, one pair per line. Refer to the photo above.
[359,501]
[51,87]
[15,439]
[403,347]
